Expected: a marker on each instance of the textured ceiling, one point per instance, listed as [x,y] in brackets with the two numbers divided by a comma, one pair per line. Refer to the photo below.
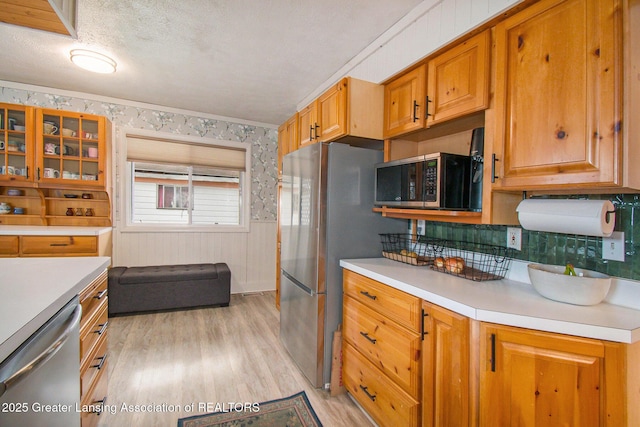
[248,59]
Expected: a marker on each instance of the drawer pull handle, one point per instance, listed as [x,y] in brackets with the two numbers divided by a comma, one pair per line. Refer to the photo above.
[58,244]
[369,395]
[99,405]
[101,294]
[368,295]
[102,360]
[366,335]
[103,326]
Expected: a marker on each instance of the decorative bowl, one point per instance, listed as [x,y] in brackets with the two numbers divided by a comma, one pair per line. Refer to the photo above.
[587,288]
[14,192]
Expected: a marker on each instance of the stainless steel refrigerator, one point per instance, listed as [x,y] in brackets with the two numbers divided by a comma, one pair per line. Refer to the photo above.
[325,215]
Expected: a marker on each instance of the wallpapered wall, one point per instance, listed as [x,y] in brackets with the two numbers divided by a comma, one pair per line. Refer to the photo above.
[263,140]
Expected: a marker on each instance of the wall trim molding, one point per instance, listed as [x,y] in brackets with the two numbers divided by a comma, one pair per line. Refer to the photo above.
[135,104]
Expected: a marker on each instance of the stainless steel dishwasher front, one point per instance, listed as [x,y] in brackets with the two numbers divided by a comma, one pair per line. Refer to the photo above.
[40,381]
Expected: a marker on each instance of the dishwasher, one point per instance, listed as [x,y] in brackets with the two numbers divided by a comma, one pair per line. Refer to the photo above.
[40,381]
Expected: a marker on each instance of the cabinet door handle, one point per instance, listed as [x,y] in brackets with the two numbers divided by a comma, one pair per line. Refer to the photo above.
[426,108]
[310,133]
[368,295]
[315,131]
[369,395]
[99,405]
[101,294]
[366,335]
[38,174]
[494,159]
[493,352]
[424,329]
[27,174]
[101,363]
[415,110]
[103,326]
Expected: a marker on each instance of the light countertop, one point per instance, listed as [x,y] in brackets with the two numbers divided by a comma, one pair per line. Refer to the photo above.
[32,290]
[42,230]
[505,302]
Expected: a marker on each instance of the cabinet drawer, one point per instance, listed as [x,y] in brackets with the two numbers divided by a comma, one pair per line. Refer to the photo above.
[392,303]
[387,404]
[59,245]
[92,297]
[94,365]
[90,334]
[9,245]
[392,348]
[92,403]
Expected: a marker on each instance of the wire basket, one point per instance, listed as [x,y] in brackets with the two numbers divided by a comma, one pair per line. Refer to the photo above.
[474,261]
[414,250]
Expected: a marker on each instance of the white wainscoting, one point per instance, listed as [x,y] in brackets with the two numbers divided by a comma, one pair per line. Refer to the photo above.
[251,257]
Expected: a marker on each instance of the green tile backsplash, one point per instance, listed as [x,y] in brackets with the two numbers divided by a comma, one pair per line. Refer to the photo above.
[554,248]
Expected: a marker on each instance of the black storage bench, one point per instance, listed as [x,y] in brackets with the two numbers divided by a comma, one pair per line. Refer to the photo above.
[168,287]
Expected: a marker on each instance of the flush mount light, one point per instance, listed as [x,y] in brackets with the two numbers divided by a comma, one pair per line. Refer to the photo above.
[93,61]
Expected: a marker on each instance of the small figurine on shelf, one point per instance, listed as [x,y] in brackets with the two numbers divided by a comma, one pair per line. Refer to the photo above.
[88,212]
[69,211]
[78,211]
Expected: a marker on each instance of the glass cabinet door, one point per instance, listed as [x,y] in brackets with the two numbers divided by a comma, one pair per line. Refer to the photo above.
[70,148]
[16,143]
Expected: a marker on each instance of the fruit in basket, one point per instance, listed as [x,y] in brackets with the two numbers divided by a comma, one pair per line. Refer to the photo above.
[454,265]
[439,262]
[409,254]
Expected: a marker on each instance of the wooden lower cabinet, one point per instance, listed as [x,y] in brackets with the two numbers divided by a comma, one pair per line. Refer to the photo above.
[9,246]
[55,245]
[533,378]
[93,349]
[446,366]
[382,350]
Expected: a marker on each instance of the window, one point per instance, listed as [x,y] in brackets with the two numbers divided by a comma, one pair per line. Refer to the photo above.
[185,184]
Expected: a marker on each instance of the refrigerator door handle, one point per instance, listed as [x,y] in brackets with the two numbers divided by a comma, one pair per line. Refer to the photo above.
[302,287]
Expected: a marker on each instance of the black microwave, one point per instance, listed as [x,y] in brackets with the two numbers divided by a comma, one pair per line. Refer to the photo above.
[432,181]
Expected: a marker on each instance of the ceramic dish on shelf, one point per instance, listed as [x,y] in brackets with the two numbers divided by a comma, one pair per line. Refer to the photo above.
[14,192]
[71,196]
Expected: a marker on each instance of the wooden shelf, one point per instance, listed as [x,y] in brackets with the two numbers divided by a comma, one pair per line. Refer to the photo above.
[464,217]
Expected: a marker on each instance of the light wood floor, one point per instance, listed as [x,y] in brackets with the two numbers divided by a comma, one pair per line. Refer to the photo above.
[211,355]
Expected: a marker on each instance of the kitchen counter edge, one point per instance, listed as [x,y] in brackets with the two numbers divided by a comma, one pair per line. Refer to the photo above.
[504,302]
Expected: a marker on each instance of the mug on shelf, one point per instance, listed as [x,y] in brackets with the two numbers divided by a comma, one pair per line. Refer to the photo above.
[49,148]
[92,152]
[50,128]
[68,132]
[51,173]
[66,174]
[11,122]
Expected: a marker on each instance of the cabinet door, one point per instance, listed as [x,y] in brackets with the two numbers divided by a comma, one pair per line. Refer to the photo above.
[71,148]
[404,103]
[307,125]
[16,144]
[558,103]
[458,80]
[287,139]
[530,378]
[445,372]
[332,112]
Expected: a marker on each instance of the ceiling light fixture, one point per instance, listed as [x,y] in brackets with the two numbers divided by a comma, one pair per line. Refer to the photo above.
[93,61]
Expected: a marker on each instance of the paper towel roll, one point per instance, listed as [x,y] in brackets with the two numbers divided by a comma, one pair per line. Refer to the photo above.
[570,216]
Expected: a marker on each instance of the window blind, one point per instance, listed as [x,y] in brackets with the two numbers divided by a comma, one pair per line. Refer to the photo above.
[141,149]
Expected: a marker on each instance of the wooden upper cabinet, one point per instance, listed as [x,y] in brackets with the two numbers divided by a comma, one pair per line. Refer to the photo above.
[558,96]
[332,112]
[307,125]
[458,80]
[287,139]
[404,103]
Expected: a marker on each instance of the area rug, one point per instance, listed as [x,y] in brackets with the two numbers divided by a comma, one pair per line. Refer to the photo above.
[293,411]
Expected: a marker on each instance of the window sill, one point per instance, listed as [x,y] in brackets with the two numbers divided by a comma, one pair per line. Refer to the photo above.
[153,228]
